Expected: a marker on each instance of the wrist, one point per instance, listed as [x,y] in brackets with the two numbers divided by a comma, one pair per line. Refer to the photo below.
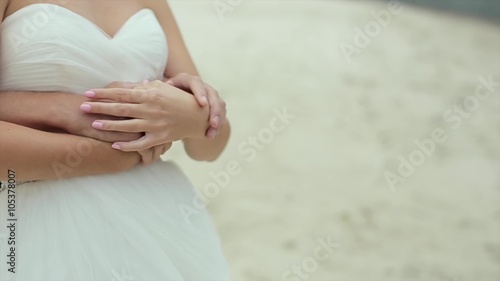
[114,160]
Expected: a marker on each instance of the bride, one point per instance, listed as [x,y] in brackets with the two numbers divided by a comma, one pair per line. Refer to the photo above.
[85,193]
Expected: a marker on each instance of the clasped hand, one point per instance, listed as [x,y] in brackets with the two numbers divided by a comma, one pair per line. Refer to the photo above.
[161,112]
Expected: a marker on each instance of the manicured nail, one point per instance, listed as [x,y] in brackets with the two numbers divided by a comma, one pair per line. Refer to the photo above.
[215,121]
[97,125]
[116,146]
[89,94]
[212,133]
[85,107]
[204,100]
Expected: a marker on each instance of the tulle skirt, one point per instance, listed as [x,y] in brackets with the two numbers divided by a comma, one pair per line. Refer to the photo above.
[126,226]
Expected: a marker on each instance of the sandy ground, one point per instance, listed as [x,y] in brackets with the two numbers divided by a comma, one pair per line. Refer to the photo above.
[321,175]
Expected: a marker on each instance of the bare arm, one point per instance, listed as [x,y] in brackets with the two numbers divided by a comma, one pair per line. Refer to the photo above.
[38,155]
[179,61]
[54,111]
[38,110]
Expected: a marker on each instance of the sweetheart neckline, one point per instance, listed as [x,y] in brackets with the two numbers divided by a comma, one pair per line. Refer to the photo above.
[96,26]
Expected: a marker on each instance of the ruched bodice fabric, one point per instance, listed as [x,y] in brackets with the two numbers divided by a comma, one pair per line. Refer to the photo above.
[46,47]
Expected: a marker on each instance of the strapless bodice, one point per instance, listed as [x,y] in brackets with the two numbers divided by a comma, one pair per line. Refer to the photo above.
[45,47]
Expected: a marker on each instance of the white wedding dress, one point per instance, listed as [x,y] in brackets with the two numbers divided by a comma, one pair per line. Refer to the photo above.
[122,227]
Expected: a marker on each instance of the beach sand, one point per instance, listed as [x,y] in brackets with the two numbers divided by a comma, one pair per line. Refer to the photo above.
[286,186]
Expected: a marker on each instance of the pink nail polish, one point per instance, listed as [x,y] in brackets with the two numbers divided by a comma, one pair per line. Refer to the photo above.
[116,146]
[215,121]
[97,125]
[89,94]
[85,107]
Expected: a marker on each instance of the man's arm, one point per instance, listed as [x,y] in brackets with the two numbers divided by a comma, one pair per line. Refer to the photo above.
[55,111]
[38,155]
[37,110]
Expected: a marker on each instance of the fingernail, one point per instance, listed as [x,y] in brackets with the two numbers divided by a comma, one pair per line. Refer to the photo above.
[116,146]
[212,134]
[204,99]
[146,81]
[97,125]
[170,82]
[215,121]
[89,94]
[85,107]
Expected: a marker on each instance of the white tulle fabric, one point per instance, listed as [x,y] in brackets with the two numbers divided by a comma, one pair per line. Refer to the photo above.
[122,227]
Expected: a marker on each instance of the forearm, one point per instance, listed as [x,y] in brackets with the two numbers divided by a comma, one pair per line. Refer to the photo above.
[38,155]
[38,110]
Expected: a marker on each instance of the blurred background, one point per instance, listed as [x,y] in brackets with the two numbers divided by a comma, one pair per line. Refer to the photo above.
[366,137]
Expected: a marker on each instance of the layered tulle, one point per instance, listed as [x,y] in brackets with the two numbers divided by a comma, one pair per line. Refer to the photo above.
[110,227]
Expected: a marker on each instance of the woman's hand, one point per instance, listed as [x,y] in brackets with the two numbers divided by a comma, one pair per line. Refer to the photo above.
[78,123]
[205,95]
[163,112]
[75,122]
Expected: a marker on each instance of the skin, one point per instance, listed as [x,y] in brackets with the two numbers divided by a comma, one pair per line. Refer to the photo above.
[59,125]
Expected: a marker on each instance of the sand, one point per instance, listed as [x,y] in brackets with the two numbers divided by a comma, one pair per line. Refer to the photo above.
[319,175]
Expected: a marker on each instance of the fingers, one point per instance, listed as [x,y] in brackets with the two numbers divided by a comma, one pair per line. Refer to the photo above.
[137,145]
[117,95]
[123,136]
[166,147]
[153,154]
[199,91]
[192,84]
[112,108]
[146,156]
[117,136]
[157,152]
[217,107]
[126,126]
